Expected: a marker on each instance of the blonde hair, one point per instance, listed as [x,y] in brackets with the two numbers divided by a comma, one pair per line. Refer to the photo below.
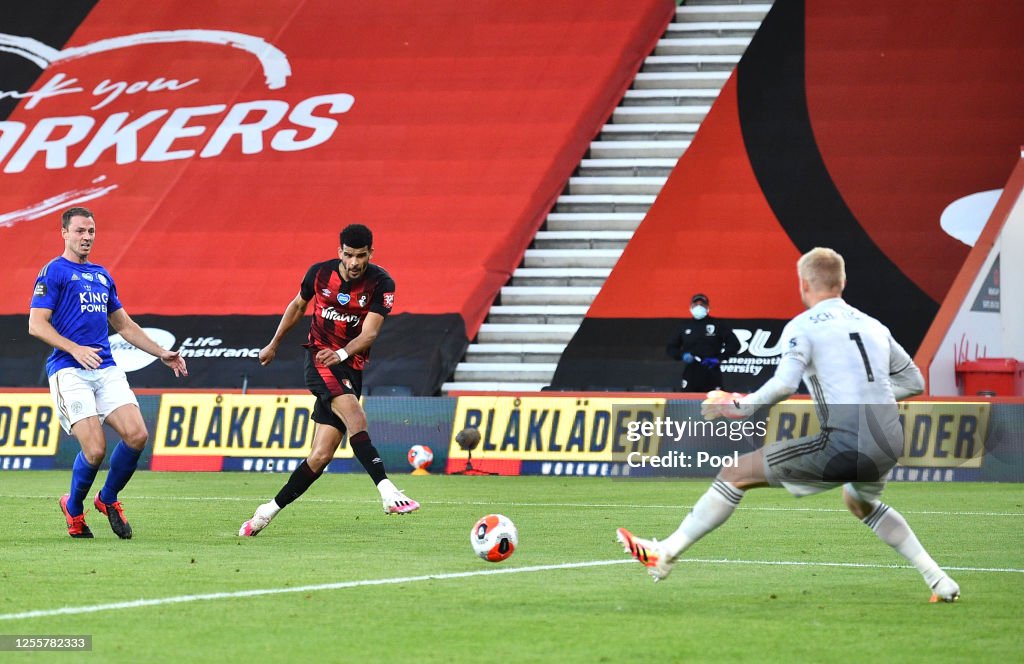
[823,268]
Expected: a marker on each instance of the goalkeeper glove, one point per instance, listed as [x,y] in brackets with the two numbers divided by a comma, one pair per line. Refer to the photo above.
[722,404]
[709,362]
[687,357]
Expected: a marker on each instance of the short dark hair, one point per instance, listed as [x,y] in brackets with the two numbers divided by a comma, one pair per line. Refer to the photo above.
[65,219]
[356,236]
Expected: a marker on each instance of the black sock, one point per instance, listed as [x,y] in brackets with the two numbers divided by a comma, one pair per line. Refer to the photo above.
[368,456]
[296,484]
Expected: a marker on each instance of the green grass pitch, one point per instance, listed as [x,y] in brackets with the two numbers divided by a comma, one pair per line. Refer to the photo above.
[332,564]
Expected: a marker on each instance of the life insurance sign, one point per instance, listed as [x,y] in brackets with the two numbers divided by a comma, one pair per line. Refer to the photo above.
[159,127]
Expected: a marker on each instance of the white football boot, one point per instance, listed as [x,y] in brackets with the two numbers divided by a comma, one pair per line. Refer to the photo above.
[260,520]
[945,590]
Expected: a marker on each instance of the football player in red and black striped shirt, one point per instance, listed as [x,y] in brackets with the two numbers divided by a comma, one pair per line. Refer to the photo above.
[350,297]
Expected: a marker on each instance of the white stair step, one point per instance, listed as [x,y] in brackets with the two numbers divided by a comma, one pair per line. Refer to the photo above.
[720,11]
[594,221]
[712,29]
[670,97]
[615,185]
[650,131]
[659,63]
[560,276]
[626,167]
[559,314]
[505,353]
[604,203]
[474,386]
[658,80]
[571,257]
[692,113]
[701,46]
[508,372]
[500,333]
[550,295]
[638,149]
[582,239]
[671,80]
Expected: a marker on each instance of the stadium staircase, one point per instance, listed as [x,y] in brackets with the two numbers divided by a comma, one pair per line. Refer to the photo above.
[539,311]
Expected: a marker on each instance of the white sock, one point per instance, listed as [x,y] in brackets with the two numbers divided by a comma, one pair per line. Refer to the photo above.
[892,528]
[712,510]
[386,486]
[271,508]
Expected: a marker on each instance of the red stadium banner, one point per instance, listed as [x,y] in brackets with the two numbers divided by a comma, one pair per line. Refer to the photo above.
[223,146]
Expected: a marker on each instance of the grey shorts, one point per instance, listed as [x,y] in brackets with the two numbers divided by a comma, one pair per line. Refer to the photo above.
[830,459]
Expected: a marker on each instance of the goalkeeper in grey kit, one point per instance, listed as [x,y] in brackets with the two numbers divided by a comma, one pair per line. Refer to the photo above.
[856,372]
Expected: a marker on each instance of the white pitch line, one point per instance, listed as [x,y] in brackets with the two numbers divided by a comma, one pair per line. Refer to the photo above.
[184,599]
[181,599]
[514,503]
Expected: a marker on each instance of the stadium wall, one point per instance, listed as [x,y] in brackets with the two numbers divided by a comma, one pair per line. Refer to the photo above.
[588,435]
[850,125]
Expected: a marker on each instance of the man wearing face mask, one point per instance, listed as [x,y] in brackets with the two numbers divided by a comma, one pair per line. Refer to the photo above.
[702,345]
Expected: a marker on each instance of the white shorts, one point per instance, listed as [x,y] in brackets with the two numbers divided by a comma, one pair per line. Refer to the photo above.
[82,393]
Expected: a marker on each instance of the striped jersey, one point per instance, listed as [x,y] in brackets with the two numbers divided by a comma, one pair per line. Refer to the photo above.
[340,307]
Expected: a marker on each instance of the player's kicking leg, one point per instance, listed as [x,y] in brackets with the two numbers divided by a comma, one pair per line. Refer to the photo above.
[709,512]
[862,500]
[347,408]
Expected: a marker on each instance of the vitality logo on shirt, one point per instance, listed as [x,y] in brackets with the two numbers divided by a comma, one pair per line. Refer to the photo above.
[330,313]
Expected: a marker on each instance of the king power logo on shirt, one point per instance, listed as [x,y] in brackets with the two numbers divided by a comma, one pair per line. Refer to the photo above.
[149,135]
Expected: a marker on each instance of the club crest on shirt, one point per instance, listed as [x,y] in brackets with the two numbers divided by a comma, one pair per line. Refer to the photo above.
[344,298]
[362,300]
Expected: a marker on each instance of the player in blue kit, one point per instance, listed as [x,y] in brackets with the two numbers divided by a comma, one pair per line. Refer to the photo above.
[72,304]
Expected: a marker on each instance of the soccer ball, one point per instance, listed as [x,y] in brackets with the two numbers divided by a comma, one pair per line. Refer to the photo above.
[420,456]
[494,537]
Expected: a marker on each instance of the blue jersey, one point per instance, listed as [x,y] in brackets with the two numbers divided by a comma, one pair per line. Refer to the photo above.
[81,296]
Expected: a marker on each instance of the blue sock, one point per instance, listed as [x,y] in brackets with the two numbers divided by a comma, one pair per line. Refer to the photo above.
[82,476]
[123,461]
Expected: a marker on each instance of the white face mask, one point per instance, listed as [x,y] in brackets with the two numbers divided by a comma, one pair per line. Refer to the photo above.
[699,311]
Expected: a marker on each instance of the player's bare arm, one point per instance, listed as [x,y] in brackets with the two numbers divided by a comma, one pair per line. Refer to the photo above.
[371,328]
[293,313]
[136,336]
[40,327]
